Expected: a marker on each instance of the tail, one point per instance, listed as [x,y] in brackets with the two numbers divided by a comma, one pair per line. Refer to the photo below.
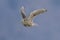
[34,24]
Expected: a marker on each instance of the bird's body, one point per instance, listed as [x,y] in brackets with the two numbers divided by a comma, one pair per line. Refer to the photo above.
[28,21]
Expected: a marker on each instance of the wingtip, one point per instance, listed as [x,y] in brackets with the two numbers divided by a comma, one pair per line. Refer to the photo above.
[45,9]
[22,7]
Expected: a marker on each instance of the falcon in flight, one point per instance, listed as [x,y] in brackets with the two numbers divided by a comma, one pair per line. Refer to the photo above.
[28,21]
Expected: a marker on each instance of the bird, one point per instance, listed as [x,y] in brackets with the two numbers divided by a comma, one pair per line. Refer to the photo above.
[28,21]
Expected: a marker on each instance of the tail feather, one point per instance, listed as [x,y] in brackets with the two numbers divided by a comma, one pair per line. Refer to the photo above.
[34,24]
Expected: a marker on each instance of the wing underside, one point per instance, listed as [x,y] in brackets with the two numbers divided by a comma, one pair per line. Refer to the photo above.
[23,12]
[35,13]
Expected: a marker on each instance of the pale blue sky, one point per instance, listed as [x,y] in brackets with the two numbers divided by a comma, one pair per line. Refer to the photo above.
[10,20]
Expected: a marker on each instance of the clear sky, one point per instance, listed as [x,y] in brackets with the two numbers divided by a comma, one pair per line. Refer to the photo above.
[10,20]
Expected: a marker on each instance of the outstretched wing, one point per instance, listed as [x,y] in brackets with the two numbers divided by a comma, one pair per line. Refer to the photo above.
[23,12]
[36,12]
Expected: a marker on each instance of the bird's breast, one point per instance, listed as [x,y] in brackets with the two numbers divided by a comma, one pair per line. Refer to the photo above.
[27,23]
